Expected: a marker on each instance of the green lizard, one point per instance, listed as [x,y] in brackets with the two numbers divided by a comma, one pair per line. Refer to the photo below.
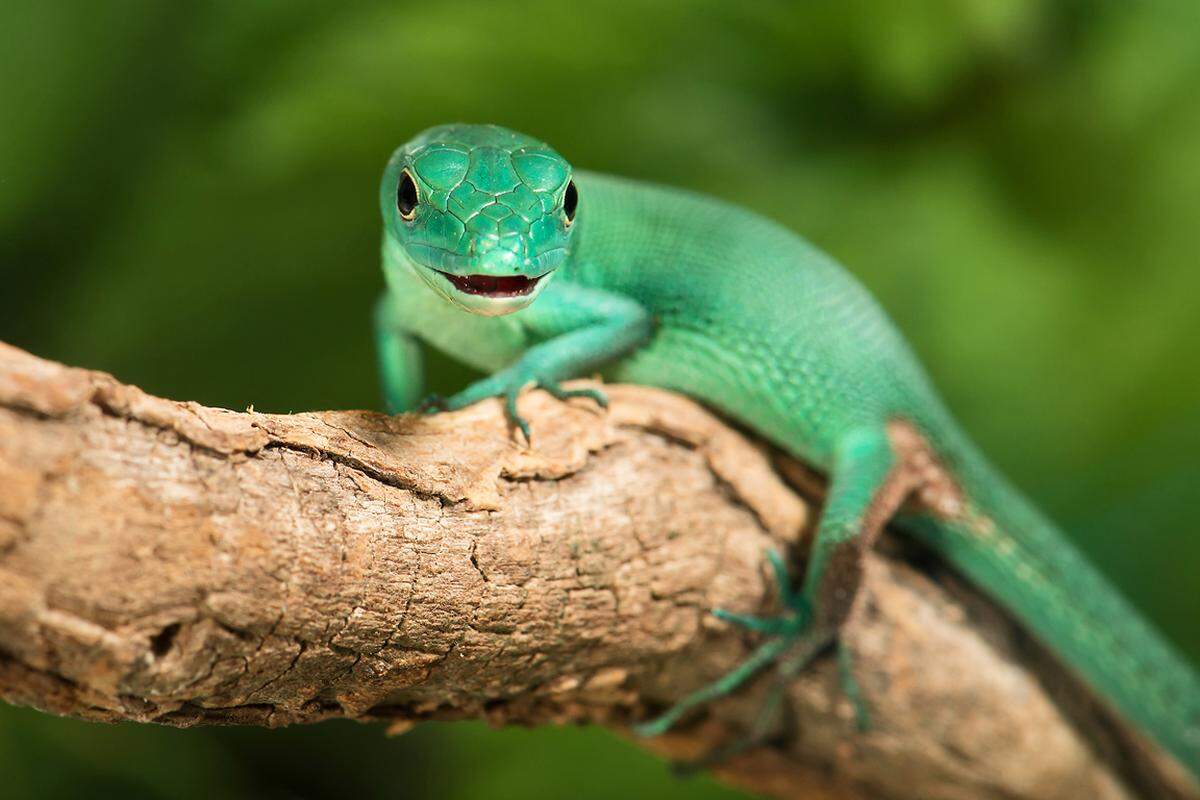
[566,273]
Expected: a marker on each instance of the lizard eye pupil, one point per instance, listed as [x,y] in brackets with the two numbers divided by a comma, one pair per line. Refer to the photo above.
[406,196]
[570,201]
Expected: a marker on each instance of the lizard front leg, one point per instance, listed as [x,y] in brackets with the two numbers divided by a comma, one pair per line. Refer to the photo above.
[866,488]
[579,329]
[401,365]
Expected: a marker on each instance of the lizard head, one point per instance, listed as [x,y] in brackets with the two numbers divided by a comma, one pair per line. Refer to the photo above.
[482,214]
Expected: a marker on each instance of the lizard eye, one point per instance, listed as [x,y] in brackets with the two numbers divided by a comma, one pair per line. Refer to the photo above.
[406,196]
[570,201]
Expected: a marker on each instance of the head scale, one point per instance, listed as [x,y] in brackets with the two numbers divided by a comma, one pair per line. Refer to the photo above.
[483,214]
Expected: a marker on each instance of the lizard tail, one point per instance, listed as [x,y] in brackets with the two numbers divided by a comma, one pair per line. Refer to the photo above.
[1019,557]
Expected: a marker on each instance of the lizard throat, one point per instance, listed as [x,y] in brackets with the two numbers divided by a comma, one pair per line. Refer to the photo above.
[493,285]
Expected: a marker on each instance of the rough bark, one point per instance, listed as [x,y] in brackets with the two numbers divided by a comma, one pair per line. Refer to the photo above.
[165,562]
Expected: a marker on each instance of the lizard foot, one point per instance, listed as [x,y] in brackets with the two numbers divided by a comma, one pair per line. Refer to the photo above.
[432,404]
[792,644]
[559,393]
[508,385]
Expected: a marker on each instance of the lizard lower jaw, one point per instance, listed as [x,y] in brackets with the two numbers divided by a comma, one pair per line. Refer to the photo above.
[492,285]
[487,295]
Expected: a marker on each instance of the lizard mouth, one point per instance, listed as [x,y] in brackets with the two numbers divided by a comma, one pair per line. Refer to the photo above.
[493,285]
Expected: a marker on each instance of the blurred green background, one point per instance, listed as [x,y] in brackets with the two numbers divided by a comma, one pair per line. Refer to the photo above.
[187,199]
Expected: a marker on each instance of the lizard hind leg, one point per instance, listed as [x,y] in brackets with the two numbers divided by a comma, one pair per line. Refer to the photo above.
[866,488]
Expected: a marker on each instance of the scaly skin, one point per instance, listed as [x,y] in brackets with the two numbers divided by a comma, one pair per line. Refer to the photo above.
[671,289]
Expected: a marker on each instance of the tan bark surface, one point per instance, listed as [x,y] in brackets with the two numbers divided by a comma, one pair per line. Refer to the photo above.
[165,562]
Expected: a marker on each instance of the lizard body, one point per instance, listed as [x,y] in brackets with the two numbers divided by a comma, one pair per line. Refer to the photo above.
[568,273]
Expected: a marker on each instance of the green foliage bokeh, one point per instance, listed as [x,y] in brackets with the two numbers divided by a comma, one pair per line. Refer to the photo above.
[187,199]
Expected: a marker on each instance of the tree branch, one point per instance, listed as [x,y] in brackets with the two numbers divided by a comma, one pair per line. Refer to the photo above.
[165,562]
